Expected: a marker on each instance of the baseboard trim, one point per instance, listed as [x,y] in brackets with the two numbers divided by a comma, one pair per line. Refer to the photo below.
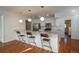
[8,40]
[75,39]
[71,38]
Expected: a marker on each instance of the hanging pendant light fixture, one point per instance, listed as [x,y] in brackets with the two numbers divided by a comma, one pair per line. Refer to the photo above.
[20,21]
[42,6]
[29,19]
[42,18]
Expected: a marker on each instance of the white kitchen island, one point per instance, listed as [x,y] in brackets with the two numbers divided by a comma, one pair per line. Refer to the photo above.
[53,38]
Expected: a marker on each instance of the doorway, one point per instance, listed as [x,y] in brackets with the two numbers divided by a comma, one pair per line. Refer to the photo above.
[67,38]
[67,30]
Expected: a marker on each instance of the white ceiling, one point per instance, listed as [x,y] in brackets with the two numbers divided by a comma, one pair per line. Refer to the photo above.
[38,11]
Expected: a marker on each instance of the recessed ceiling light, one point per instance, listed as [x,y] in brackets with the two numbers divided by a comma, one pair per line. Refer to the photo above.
[42,18]
[73,10]
[29,10]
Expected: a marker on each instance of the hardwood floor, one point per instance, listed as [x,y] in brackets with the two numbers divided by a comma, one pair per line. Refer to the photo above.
[75,46]
[72,46]
[64,48]
[19,47]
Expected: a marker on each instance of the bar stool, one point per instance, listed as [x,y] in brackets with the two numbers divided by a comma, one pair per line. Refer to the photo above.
[45,38]
[20,36]
[31,38]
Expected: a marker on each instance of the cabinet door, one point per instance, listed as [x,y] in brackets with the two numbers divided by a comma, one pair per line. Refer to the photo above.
[28,25]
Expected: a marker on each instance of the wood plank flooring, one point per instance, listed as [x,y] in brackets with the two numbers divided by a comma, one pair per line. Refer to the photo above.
[64,48]
[20,47]
[72,46]
[75,46]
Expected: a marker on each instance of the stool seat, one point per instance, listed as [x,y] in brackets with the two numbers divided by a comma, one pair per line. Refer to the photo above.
[31,36]
[29,33]
[44,35]
[46,39]
[22,35]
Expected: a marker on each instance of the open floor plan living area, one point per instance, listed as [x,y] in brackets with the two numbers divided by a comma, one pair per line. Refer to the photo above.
[39,29]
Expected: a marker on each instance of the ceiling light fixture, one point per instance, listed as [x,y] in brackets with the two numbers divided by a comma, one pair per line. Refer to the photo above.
[29,10]
[42,6]
[21,21]
[42,18]
[29,19]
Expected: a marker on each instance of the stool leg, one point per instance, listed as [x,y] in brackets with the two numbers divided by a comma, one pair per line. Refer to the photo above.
[50,46]
[23,40]
[18,38]
[34,41]
[28,38]
[41,42]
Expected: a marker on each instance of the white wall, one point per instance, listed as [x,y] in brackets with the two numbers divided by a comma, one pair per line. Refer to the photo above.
[11,23]
[74,26]
[0,29]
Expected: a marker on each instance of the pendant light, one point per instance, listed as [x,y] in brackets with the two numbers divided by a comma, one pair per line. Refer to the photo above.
[20,21]
[42,18]
[29,19]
